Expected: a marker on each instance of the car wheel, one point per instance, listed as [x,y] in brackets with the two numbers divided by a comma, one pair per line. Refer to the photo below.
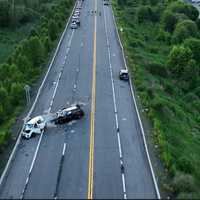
[28,137]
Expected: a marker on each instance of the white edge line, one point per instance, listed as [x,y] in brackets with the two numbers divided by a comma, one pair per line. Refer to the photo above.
[3,175]
[119,144]
[140,122]
[115,106]
[64,149]
[41,136]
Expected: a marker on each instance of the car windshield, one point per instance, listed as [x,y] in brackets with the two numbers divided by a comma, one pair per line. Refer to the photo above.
[28,126]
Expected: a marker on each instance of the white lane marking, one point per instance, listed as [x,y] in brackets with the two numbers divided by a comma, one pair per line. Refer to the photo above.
[119,143]
[27,180]
[138,115]
[36,151]
[115,109]
[41,136]
[117,123]
[31,168]
[60,74]
[3,175]
[123,182]
[64,149]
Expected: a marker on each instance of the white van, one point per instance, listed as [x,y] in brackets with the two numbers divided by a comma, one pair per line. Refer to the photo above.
[33,126]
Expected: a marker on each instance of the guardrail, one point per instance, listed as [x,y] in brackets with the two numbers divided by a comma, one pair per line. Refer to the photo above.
[138,115]
[11,158]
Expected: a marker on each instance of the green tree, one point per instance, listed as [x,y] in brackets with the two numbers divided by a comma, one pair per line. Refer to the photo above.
[3,103]
[4,13]
[15,74]
[169,21]
[3,95]
[4,71]
[34,50]
[24,65]
[183,67]
[144,14]
[184,30]
[16,93]
[2,114]
[121,2]
[179,58]
[194,45]
[52,30]
[187,9]
[154,2]
[47,44]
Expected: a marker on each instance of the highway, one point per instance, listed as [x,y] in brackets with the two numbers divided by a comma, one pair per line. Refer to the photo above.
[101,155]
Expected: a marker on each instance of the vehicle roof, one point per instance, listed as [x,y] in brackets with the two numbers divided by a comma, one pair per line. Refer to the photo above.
[71,108]
[124,71]
[35,119]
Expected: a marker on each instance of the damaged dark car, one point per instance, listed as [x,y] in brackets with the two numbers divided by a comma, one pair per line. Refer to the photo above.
[66,115]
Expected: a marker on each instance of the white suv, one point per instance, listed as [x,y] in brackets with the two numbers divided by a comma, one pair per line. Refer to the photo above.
[33,126]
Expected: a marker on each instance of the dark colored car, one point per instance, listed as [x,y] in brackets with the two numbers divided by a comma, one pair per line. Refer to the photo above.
[68,114]
[106,2]
[123,75]
[74,25]
[77,21]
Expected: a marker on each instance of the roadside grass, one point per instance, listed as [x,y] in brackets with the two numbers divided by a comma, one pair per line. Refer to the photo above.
[173,115]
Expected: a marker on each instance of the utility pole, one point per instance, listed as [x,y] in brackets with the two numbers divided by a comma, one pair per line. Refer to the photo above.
[27,90]
[12,7]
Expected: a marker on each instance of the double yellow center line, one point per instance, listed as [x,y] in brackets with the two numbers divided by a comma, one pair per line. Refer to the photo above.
[92,114]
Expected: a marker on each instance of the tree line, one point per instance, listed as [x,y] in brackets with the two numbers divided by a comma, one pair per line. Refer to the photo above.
[27,61]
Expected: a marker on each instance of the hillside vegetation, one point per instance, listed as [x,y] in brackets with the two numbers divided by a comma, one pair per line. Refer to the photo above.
[162,44]
[28,34]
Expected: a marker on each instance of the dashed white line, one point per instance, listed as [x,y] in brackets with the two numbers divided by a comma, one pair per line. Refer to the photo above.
[35,155]
[115,110]
[119,143]
[138,115]
[64,149]
[41,136]
[123,182]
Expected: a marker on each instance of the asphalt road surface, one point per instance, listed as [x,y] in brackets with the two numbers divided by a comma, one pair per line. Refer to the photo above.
[101,155]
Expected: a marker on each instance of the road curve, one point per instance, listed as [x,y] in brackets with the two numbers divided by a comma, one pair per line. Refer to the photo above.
[100,156]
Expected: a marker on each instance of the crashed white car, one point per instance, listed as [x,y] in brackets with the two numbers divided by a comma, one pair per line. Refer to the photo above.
[33,126]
